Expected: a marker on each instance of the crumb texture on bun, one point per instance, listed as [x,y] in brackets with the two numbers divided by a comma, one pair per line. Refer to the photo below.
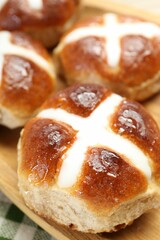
[94,165]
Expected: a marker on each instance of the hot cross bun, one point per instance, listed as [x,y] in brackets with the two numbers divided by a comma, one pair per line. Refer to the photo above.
[45,20]
[120,52]
[94,165]
[27,78]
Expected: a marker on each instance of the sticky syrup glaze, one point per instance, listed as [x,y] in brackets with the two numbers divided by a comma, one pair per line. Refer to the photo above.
[133,122]
[79,99]
[107,180]
[44,141]
[138,54]
[91,56]
[24,86]
[17,16]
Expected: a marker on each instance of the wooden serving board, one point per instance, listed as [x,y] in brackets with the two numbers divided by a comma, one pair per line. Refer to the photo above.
[146,227]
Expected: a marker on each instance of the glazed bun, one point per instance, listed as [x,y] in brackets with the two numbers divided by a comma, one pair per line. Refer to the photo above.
[44,20]
[26,78]
[120,52]
[94,165]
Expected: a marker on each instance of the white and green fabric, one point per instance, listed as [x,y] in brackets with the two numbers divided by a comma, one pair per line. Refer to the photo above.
[15,225]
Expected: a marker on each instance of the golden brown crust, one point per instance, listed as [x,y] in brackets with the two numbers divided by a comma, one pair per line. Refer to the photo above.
[41,163]
[141,62]
[25,86]
[107,180]
[16,15]
[24,40]
[78,99]
[133,122]
[25,83]
[84,60]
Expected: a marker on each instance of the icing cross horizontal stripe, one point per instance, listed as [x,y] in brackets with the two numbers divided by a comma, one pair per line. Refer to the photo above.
[112,31]
[93,131]
[34,4]
[7,48]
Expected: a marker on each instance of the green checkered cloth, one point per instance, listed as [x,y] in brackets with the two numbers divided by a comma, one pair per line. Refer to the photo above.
[15,225]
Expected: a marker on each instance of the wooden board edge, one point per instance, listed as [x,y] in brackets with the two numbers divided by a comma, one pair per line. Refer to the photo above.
[122,8]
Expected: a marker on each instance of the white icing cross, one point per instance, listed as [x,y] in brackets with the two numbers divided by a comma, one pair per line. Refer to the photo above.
[112,31]
[6,47]
[94,131]
[2,3]
[34,4]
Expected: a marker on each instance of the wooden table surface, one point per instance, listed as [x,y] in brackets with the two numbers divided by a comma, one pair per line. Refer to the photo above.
[148,5]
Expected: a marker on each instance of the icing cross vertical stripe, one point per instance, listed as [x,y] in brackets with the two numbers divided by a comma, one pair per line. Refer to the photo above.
[112,31]
[94,131]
